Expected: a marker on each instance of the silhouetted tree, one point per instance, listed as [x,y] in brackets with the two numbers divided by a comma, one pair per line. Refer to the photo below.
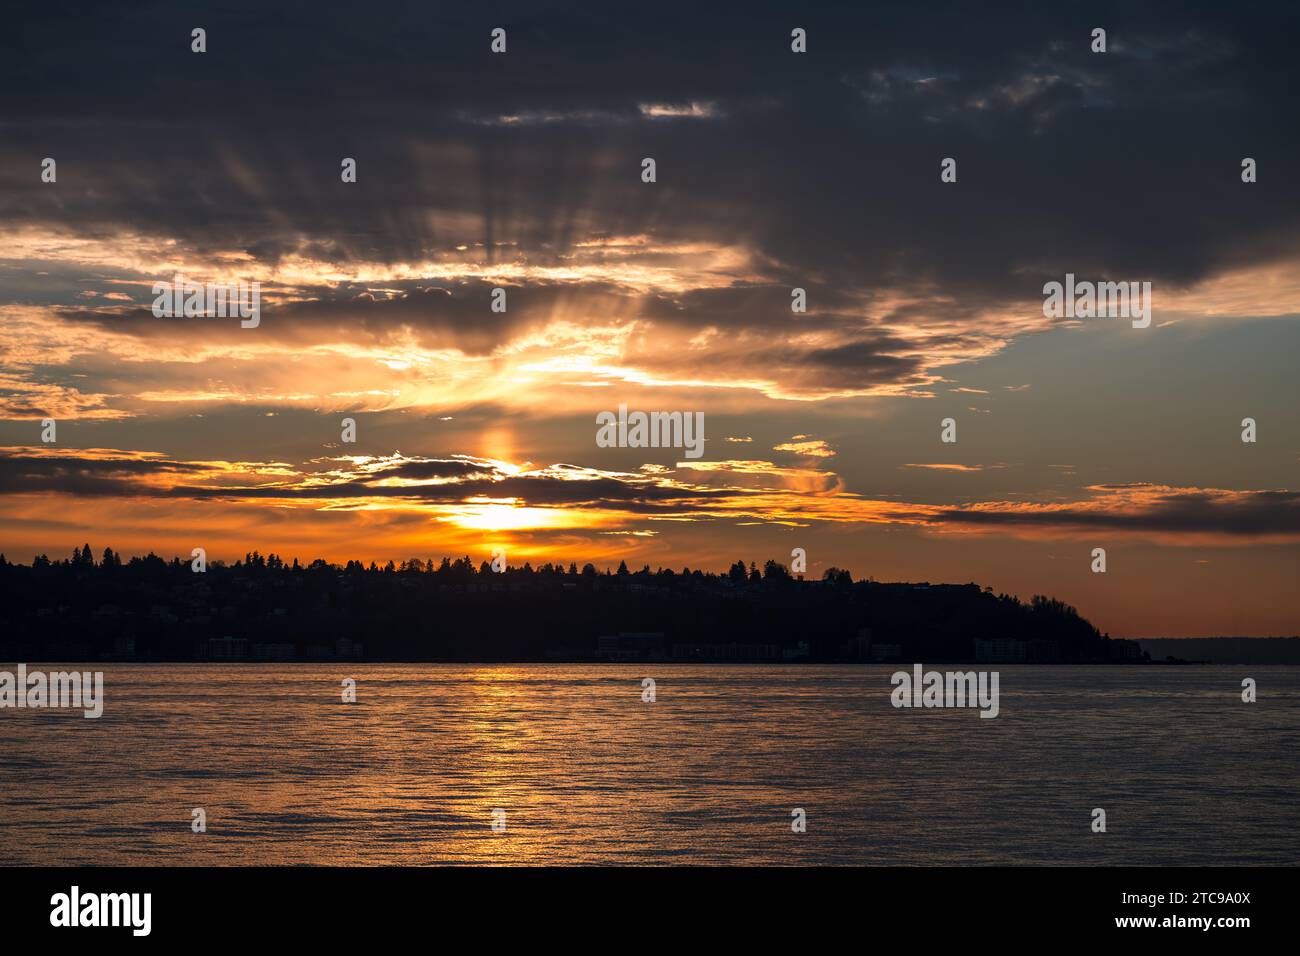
[435,615]
[775,571]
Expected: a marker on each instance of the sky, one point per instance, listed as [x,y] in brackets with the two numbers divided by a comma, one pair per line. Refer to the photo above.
[774,170]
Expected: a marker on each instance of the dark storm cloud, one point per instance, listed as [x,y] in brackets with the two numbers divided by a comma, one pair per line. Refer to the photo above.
[423,470]
[458,479]
[529,490]
[455,314]
[765,306]
[77,475]
[1124,164]
[1172,511]
[859,364]
[1136,508]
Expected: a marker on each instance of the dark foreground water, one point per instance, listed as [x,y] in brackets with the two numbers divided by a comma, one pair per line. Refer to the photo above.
[588,773]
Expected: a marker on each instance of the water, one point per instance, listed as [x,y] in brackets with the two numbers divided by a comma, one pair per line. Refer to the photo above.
[708,774]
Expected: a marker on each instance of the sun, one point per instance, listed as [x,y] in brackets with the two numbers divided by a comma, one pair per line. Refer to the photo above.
[505,515]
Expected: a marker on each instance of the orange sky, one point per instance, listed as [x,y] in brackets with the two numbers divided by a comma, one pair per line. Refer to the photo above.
[499,273]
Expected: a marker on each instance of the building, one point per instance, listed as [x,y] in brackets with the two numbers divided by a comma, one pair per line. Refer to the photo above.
[1000,650]
[858,647]
[726,652]
[630,645]
[273,652]
[346,649]
[1119,649]
[1044,652]
[223,649]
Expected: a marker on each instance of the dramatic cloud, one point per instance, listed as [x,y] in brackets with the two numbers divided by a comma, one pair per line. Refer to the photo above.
[546,497]
[775,171]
